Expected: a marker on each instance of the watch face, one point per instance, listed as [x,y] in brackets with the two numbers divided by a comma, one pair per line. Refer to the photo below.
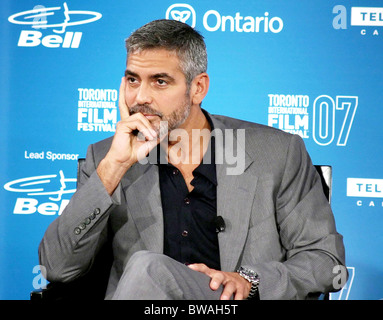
[250,274]
[247,272]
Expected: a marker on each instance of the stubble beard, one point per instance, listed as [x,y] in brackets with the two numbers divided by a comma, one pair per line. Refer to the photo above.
[169,122]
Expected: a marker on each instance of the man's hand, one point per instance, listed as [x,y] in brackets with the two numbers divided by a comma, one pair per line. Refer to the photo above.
[127,147]
[232,282]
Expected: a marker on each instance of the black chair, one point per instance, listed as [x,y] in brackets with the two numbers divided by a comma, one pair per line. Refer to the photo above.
[325,173]
[93,284]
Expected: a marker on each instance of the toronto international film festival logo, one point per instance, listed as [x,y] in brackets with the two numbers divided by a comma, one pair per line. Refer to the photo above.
[331,118]
[55,18]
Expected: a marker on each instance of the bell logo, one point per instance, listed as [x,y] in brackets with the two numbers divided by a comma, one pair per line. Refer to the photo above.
[57,18]
[30,38]
[182,12]
[52,185]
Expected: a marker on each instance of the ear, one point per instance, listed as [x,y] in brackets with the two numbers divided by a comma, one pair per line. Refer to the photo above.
[199,88]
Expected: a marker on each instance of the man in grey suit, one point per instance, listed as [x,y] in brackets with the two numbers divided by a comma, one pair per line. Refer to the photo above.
[198,206]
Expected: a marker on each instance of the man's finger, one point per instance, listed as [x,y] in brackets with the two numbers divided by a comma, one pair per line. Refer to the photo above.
[124,110]
[142,129]
[217,279]
[228,291]
[239,296]
[200,267]
[141,118]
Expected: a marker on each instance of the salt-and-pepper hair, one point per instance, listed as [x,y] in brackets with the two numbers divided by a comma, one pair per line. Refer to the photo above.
[175,36]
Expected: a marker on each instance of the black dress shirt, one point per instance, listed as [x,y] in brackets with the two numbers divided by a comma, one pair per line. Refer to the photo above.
[190,217]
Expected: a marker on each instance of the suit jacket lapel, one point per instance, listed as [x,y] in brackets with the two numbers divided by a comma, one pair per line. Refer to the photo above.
[235,194]
[143,199]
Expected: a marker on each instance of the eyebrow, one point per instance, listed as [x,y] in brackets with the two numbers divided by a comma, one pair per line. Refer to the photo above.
[130,73]
[154,76]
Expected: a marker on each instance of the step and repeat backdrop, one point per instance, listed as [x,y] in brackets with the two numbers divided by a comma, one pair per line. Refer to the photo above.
[313,68]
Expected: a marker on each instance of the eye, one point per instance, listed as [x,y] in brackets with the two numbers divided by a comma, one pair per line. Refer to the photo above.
[161,82]
[131,80]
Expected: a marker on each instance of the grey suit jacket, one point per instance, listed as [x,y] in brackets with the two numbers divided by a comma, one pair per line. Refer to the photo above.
[278,221]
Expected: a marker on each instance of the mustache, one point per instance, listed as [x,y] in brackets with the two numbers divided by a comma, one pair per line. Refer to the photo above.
[144,108]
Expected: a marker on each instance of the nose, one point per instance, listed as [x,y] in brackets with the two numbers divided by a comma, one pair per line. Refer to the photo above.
[144,94]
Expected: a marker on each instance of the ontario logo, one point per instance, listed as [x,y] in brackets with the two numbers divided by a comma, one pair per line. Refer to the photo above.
[213,20]
[58,19]
[182,12]
[37,188]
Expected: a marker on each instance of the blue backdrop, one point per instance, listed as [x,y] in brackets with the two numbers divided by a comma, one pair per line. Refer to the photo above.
[313,68]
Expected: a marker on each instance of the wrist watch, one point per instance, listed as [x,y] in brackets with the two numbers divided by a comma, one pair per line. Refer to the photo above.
[253,278]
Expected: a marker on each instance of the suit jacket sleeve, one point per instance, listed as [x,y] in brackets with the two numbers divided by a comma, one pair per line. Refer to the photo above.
[72,240]
[307,233]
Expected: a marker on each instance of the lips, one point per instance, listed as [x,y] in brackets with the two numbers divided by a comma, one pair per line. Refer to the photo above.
[150,115]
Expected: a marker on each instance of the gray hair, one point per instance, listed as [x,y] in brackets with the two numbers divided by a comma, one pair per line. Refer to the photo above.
[175,36]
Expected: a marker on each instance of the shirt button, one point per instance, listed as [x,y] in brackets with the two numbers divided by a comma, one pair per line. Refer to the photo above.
[175,172]
[185,233]
[187,201]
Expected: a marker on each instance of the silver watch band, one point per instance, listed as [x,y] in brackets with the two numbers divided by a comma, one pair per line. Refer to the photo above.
[251,276]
